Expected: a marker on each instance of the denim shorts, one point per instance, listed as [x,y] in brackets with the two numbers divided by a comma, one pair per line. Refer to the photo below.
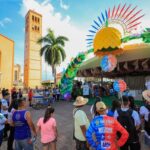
[23,144]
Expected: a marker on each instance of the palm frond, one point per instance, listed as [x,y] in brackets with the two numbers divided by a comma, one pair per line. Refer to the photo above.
[63,53]
[57,57]
[48,56]
[45,39]
[61,40]
[44,49]
[51,36]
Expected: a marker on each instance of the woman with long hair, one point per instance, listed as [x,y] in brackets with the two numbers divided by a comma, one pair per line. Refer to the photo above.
[47,126]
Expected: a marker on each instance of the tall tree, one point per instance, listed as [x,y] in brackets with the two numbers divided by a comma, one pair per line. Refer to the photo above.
[53,50]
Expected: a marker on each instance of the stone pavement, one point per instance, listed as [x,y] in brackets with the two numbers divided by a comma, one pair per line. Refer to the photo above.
[63,115]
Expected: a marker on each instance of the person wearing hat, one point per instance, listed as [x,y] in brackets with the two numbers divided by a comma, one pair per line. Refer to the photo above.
[105,129]
[81,123]
[145,114]
[22,121]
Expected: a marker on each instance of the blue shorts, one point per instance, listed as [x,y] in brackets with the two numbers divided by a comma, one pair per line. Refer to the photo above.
[23,144]
[1,137]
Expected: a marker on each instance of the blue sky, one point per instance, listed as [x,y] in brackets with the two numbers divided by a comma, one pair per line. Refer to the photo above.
[76,15]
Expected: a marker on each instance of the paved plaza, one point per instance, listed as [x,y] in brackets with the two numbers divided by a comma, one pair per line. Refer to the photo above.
[63,115]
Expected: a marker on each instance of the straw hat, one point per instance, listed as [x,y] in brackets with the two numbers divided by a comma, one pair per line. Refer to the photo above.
[146,95]
[100,106]
[80,101]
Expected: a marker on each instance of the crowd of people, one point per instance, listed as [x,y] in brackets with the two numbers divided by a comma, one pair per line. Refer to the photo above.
[89,89]
[113,128]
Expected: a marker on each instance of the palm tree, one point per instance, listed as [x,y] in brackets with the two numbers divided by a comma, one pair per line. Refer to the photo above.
[53,50]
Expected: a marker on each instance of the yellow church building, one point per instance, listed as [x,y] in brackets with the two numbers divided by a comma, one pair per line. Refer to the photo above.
[6,62]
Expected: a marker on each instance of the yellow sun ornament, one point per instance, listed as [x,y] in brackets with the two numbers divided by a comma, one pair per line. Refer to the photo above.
[107,41]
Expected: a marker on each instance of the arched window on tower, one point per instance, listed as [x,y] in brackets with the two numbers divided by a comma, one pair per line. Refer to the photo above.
[35,19]
[35,28]
[32,18]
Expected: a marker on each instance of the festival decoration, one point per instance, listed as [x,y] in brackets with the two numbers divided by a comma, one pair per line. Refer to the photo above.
[145,36]
[105,38]
[70,73]
[106,41]
[108,63]
[119,85]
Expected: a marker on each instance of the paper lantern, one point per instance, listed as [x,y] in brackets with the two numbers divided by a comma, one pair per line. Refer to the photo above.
[108,63]
[119,86]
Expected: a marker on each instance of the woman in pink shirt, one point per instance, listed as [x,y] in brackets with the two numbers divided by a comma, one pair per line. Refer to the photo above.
[47,126]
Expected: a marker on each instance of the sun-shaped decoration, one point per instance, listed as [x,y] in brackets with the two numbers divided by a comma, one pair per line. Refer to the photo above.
[105,37]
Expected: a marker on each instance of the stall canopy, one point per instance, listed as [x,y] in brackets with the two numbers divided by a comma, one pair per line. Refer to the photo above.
[135,61]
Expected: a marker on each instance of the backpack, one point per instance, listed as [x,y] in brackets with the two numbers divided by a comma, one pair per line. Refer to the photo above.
[126,120]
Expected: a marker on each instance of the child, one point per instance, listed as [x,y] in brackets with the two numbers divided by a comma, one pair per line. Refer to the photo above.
[3,120]
[48,129]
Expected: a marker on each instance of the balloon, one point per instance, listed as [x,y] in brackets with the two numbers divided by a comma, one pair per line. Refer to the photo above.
[67,96]
[108,63]
[119,85]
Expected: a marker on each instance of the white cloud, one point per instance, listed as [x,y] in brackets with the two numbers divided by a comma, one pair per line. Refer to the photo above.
[5,21]
[60,25]
[63,5]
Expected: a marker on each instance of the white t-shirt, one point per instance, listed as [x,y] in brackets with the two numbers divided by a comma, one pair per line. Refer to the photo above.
[86,90]
[10,115]
[2,121]
[80,119]
[4,103]
[144,112]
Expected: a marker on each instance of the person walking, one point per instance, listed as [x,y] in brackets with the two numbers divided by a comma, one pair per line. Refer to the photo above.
[20,94]
[14,93]
[4,111]
[81,123]
[12,108]
[30,95]
[23,124]
[48,128]
[145,114]
[57,94]
[3,121]
[105,129]
[130,120]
